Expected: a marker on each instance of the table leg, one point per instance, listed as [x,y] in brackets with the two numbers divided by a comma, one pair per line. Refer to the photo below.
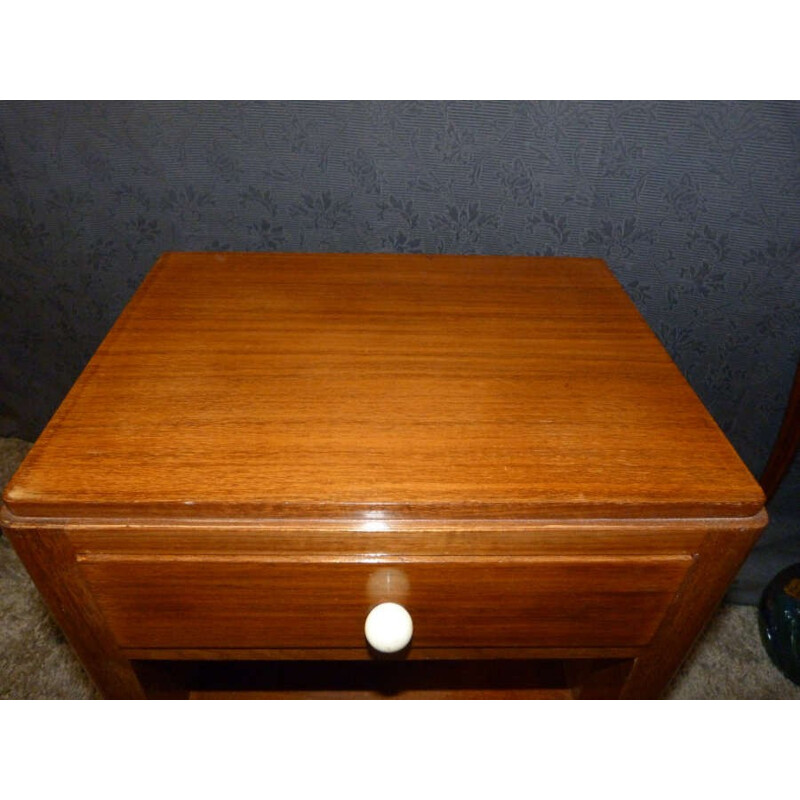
[51,562]
[716,563]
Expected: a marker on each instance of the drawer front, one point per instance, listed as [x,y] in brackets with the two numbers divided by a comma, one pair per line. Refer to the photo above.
[251,602]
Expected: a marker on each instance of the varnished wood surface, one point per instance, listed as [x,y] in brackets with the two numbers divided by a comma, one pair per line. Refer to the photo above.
[453,538]
[718,560]
[242,601]
[51,563]
[381,387]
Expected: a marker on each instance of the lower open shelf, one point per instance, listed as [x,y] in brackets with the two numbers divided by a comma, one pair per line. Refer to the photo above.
[367,680]
[417,694]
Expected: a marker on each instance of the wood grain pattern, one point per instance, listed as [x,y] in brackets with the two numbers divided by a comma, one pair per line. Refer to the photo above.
[474,538]
[398,537]
[242,601]
[382,387]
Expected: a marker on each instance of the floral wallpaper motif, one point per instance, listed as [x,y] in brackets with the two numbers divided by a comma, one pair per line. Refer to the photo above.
[695,206]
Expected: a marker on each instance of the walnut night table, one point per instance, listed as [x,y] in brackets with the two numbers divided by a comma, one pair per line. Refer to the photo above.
[305,475]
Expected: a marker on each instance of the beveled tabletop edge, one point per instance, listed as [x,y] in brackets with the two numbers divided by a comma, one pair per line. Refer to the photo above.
[8,519]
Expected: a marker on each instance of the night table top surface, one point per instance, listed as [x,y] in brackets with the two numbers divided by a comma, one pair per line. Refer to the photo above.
[380,387]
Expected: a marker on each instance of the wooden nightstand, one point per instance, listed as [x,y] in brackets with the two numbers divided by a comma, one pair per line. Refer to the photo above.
[266,447]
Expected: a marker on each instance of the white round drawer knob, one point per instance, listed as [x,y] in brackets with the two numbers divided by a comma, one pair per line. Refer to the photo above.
[388,627]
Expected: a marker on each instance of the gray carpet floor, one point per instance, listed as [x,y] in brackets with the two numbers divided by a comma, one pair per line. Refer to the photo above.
[728,662]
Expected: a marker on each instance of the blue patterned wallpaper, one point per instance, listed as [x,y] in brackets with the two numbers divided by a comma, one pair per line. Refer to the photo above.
[695,206]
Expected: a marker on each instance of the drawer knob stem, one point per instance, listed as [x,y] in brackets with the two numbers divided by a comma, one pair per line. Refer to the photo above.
[388,627]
